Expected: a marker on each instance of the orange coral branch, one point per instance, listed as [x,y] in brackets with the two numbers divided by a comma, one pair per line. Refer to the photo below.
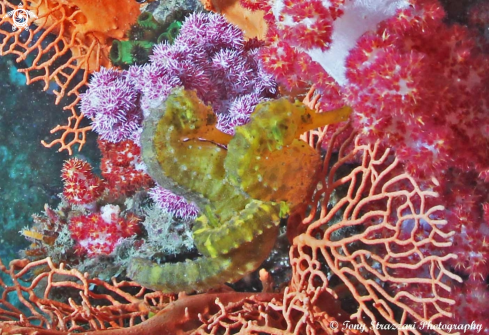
[375,231]
[187,313]
[115,305]
[68,41]
[72,128]
[117,308]
[56,20]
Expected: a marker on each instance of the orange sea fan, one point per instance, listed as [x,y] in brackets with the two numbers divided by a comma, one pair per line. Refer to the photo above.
[374,231]
[112,304]
[125,308]
[374,236]
[67,41]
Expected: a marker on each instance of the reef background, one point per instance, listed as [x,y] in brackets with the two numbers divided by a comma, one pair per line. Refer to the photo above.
[29,173]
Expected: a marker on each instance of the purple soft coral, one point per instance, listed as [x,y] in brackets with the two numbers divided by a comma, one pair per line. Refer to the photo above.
[172,203]
[211,57]
[113,104]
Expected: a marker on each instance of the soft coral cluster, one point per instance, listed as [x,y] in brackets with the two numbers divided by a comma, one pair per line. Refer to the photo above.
[414,82]
[81,185]
[422,87]
[95,225]
[123,169]
[209,55]
[99,233]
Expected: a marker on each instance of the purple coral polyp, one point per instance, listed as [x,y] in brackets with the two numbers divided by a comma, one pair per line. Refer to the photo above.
[174,204]
[112,102]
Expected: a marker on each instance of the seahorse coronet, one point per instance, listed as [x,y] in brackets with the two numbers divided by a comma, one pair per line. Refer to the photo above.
[242,192]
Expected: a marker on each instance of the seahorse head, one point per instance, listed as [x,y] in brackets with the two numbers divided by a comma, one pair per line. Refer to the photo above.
[185,115]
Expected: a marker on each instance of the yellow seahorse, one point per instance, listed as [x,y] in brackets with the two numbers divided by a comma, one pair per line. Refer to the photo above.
[243,191]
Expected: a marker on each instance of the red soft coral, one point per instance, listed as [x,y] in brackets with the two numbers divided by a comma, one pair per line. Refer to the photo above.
[123,169]
[99,233]
[81,186]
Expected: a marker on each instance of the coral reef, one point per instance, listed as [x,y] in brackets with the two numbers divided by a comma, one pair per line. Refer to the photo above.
[363,199]
[206,160]
[416,83]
